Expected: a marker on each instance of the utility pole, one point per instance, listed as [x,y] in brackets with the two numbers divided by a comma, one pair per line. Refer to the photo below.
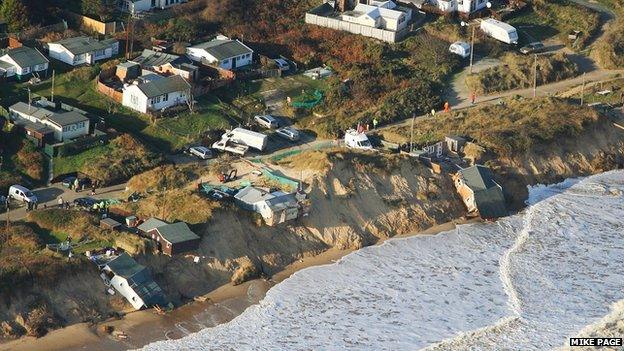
[535,77]
[52,95]
[128,35]
[583,90]
[472,48]
[412,135]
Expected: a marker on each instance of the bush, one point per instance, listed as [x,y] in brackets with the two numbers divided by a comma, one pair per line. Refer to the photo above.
[609,50]
[30,161]
[517,72]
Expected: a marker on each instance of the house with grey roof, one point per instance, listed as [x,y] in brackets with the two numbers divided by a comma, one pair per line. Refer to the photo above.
[274,207]
[166,63]
[480,192]
[154,93]
[172,239]
[83,50]
[133,281]
[60,121]
[22,63]
[222,52]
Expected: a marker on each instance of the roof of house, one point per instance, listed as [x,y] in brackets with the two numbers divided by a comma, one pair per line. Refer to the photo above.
[5,66]
[151,224]
[489,196]
[67,118]
[34,126]
[282,201]
[177,233]
[81,45]
[223,49]
[163,86]
[27,57]
[251,195]
[138,277]
[151,58]
[59,118]
[128,64]
[478,177]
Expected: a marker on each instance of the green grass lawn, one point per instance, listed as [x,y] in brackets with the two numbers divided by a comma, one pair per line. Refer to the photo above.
[532,27]
[69,164]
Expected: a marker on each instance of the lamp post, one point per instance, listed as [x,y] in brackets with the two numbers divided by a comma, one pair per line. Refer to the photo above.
[472,37]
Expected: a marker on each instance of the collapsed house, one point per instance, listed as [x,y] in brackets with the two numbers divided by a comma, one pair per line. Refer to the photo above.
[274,207]
[133,281]
[480,192]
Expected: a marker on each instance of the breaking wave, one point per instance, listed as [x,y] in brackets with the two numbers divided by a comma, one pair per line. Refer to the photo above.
[527,282]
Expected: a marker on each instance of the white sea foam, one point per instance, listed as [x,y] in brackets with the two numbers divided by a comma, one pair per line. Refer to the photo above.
[524,283]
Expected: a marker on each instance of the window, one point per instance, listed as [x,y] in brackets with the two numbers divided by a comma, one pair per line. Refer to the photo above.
[166,97]
[134,99]
[226,61]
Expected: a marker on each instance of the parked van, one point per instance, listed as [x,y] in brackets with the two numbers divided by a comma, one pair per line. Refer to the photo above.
[250,138]
[460,48]
[356,140]
[20,193]
[500,31]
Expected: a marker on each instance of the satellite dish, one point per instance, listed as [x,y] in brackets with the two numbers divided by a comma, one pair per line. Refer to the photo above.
[488,5]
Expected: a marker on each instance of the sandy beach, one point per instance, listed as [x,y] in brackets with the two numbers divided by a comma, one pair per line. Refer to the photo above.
[143,327]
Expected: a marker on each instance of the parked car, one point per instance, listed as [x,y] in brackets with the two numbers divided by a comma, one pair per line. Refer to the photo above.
[282,64]
[532,48]
[289,133]
[70,181]
[85,203]
[202,152]
[460,48]
[21,193]
[267,121]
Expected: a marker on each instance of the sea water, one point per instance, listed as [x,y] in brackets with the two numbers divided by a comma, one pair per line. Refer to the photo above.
[526,282]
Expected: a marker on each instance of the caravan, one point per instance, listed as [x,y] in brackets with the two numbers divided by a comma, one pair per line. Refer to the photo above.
[250,138]
[500,31]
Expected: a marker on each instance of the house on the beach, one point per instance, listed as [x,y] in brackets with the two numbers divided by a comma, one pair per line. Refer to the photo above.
[83,50]
[480,192]
[154,93]
[23,62]
[222,52]
[172,239]
[133,281]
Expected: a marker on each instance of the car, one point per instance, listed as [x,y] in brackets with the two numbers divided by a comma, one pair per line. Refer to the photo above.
[85,203]
[267,121]
[282,64]
[532,48]
[289,133]
[70,181]
[21,193]
[201,152]
[460,48]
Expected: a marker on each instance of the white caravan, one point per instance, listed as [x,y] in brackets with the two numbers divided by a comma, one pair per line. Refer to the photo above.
[250,138]
[500,31]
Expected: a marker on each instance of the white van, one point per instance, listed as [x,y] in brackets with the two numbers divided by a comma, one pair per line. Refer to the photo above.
[460,48]
[500,31]
[250,138]
[20,193]
[356,140]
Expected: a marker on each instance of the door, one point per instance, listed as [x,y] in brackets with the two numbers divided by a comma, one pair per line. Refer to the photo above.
[233,62]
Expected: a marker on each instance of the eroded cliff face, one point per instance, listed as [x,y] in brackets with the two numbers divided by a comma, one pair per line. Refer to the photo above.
[598,149]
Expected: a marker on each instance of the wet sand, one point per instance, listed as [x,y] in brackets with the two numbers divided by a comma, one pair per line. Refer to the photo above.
[144,327]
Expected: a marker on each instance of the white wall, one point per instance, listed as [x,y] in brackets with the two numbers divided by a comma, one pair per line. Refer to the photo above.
[134,98]
[121,285]
[72,131]
[58,52]
[22,70]
[173,99]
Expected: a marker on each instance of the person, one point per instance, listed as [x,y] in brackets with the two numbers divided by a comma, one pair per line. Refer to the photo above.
[60,201]
[29,206]
[36,204]
[77,185]
[93,190]
[375,122]
[473,97]
[433,112]
[447,107]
